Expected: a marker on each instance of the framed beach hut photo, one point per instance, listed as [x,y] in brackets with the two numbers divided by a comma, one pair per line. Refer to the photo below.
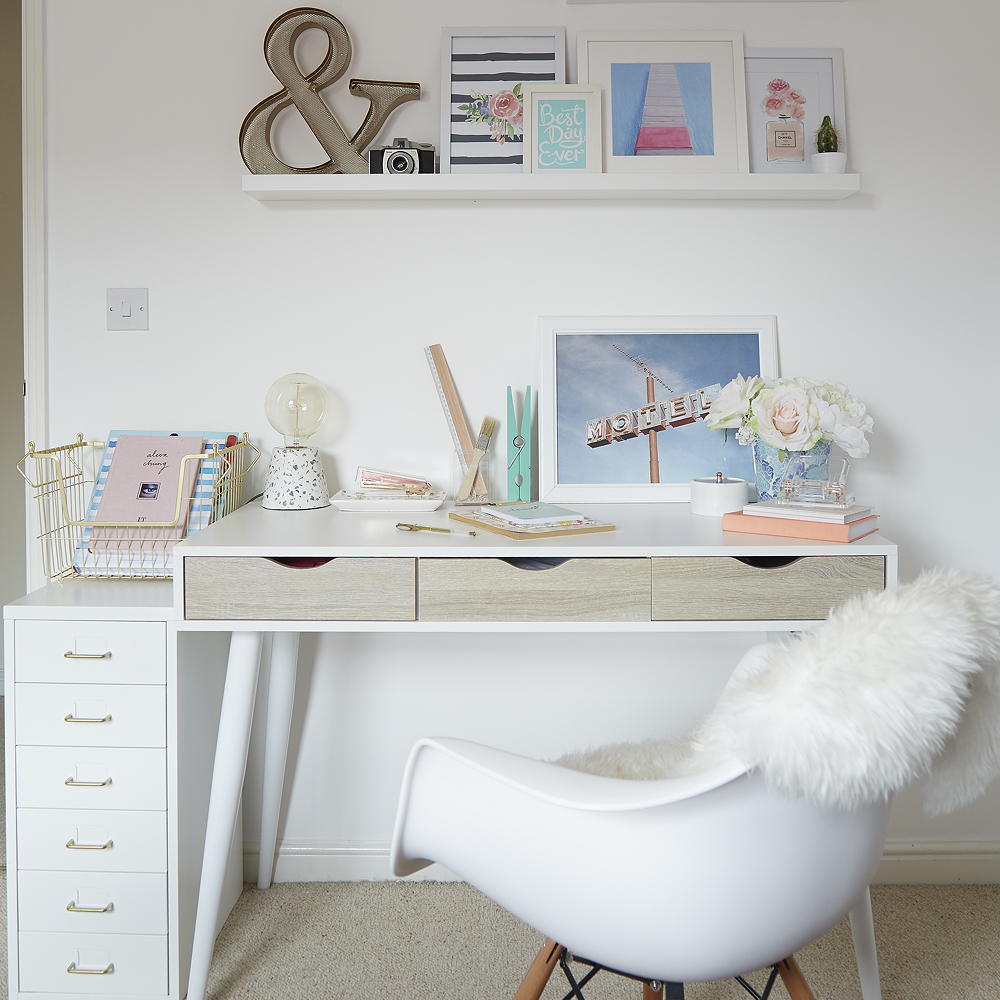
[674,101]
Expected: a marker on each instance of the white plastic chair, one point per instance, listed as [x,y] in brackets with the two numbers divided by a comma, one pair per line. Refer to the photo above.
[669,881]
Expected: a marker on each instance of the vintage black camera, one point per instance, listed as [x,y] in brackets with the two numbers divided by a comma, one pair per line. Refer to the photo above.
[402,157]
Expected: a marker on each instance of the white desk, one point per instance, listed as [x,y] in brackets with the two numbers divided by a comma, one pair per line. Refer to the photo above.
[663,570]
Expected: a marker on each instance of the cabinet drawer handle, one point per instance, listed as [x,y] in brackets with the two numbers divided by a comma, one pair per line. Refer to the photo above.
[72,783]
[72,718]
[71,907]
[106,971]
[74,846]
[70,655]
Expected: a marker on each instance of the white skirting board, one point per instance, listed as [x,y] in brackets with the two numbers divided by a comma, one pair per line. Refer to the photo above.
[903,863]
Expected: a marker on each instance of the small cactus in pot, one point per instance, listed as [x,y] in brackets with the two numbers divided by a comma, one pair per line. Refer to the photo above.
[827,140]
[828,159]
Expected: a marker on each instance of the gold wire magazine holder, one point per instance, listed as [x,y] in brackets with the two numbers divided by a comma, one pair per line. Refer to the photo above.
[63,480]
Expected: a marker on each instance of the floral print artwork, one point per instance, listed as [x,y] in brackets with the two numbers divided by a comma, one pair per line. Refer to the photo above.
[781,101]
[502,113]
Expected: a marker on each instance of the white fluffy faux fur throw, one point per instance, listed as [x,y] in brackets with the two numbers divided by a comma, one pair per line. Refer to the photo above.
[896,686]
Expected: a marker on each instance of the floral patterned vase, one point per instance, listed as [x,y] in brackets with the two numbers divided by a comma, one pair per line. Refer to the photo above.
[772,465]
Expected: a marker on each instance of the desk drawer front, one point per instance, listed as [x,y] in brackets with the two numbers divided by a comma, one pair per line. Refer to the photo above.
[99,715]
[710,588]
[346,589]
[118,841]
[100,778]
[594,589]
[92,903]
[90,652]
[134,963]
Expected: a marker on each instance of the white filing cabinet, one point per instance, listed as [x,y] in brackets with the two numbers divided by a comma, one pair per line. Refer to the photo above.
[105,800]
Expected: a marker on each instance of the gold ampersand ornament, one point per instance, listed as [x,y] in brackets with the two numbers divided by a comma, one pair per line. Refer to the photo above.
[303,91]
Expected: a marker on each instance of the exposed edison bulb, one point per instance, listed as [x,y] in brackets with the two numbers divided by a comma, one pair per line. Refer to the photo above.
[296,407]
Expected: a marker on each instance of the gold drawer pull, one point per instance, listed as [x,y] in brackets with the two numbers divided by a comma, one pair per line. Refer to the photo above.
[72,718]
[87,784]
[71,907]
[70,655]
[106,971]
[74,846]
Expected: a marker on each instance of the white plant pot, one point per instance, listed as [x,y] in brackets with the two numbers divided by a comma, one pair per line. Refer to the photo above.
[829,163]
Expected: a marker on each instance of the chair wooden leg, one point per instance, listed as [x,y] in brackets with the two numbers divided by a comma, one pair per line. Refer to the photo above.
[540,971]
[649,992]
[795,982]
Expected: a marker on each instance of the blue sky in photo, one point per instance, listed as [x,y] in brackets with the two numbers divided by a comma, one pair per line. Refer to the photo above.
[594,380]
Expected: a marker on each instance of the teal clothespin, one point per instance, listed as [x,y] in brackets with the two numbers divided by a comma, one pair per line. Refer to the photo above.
[519,448]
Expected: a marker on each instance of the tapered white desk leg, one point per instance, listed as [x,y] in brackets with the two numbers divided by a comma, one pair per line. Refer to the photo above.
[223,808]
[863,932]
[280,701]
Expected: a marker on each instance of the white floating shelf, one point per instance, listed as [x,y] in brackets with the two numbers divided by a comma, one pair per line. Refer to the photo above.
[542,187]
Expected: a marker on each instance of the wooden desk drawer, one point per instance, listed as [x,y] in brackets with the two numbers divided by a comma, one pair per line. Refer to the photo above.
[100,715]
[346,589]
[90,652]
[102,902]
[494,590]
[138,840]
[104,778]
[138,963]
[710,588]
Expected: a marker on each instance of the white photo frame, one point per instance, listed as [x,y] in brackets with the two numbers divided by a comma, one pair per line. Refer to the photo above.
[562,129]
[817,75]
[675,101]
[483,72]
[590,372]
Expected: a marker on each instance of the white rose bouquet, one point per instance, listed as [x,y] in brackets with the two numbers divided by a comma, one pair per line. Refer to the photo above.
[792,414]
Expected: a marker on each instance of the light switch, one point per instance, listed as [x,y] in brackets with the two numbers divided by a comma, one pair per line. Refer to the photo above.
[128,309]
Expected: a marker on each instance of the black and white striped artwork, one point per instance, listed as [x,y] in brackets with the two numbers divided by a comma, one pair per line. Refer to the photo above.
[483,73]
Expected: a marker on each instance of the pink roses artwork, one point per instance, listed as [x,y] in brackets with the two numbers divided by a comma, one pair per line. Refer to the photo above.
[502,113]
[781,101]
[785,108]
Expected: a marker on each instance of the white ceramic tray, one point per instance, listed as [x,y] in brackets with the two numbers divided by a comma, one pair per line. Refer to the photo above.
[389,503]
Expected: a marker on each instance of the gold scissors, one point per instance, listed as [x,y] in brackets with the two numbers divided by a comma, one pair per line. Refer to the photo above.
[403,526]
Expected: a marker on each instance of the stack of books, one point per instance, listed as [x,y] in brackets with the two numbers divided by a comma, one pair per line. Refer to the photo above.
[531,520]
[819,522]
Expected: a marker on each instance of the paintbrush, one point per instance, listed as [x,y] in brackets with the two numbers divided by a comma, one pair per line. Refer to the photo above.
[489,425]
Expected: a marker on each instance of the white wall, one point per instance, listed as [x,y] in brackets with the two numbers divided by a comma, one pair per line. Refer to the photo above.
[889,291]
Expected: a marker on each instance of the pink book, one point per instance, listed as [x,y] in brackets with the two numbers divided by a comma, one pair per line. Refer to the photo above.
[816,530]
[141,490]
[143,479]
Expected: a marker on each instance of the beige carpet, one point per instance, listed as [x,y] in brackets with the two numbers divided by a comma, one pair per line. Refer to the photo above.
[444,941]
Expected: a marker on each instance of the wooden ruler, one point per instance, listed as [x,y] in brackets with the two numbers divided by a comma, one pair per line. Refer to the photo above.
[453,412]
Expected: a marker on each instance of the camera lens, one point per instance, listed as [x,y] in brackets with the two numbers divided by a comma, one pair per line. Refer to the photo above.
[401,162]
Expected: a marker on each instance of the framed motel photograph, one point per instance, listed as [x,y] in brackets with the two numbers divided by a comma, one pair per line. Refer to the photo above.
[788,93]
[674,101]
[562,128]
[624,399]
[483,75]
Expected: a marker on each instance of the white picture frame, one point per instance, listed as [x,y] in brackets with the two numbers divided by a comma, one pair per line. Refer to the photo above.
[563,129]
[818,74]
[477,66]
[702,348]
[674,101]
